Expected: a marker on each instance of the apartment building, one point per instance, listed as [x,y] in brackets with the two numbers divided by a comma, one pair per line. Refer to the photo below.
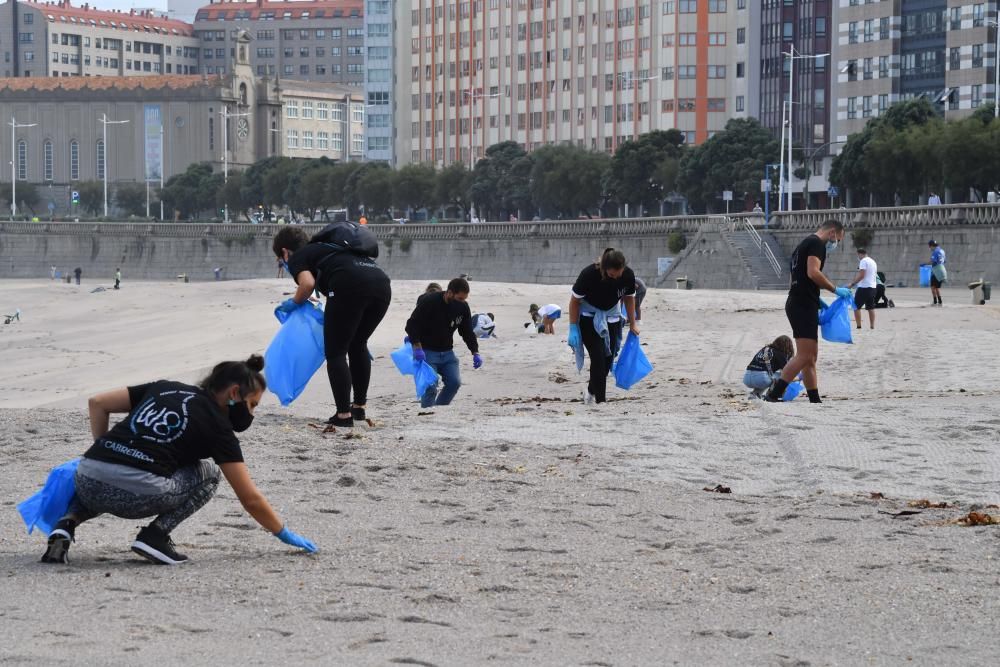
[941,50]
[58,39]
[320,120]
[805,28]
[470,74]
[379,57]
[309,41]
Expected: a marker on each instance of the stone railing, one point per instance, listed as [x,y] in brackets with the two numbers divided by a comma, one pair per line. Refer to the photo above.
[899,217]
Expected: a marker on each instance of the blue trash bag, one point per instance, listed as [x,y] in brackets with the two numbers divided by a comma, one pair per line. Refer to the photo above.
[295,353]
[925,275]
[403,358]
[424,377]
[44,509]
[632,364]
[578,356]
[835,321]
[793,390]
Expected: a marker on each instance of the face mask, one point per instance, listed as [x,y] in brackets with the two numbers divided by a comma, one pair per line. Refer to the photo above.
[831,246]
[239,415]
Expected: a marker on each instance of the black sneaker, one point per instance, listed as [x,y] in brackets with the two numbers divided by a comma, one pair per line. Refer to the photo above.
[153,544]
[59,540]
[358,414]
[346,422]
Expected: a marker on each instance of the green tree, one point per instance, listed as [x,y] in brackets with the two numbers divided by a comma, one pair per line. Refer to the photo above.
[231,194]
[501,181]
[191,192]
[414,186]
[733,160]
[337,185]
[253,180]
[131,198]
[353,196]
[567,180]
[91,196]
[275,185]
[634,169]
[374,188]
[968,155]
[313,190]
[453,185]
[28,197]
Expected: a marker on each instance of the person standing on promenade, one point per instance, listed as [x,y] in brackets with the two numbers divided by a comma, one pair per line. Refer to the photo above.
[866,280]
[933,200]
[939,274]
[431,329]
[803,305]
[340,262]
[118,277]
[153,462]
[595,316]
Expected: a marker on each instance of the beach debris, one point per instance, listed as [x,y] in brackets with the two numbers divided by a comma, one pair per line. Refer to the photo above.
[718,488]
[352,436]
[371,422]
[558,378]
[12,317]
[900,513]
[325,428]
[925,504]
[876,495]
[424,414]
[979,519]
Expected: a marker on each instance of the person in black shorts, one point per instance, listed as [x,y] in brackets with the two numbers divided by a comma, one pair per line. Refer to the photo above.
[803,305]
[867,281]
[357,298]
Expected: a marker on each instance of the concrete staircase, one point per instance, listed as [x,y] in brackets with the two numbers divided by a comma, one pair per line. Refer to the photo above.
[756,261]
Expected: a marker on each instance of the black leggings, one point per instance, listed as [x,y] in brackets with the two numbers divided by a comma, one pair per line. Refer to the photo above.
[600,361]
[349,321]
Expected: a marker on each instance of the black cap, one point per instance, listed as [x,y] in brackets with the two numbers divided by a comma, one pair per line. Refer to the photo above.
[932,242]
[862,251]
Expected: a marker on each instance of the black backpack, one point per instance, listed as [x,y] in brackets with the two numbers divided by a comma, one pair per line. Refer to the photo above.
[350,236]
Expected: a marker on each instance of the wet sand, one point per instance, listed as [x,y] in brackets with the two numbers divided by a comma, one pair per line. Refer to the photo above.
[519,526]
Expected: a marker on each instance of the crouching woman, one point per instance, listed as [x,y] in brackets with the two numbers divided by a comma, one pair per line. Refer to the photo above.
[154,463]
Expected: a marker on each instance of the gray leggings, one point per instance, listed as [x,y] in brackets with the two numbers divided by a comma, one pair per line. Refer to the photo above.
[169,499]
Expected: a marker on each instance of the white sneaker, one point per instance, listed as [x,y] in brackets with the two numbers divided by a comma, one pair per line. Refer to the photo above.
[588,398]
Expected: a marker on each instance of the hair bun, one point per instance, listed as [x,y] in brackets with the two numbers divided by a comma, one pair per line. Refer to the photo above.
[255,363]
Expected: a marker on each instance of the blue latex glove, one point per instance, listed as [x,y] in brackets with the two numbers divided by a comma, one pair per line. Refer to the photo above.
[286,306]
[418,354]
[296,540]
[477,361]
[574,340]
[406,339]
[823,305]
[843,292]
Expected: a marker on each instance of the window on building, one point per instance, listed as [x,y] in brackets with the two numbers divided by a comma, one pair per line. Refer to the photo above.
[978,15]
[740,70]
[883,103]
[977,55]
[74,160]
[292,109]
[293,138]
[977,96]
[740,104]
[852,32]
[741,35]
[307,109]
[852,107]
[866,106]
[47,160]
[100,160]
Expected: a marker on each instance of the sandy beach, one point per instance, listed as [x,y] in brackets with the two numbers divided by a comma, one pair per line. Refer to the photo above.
[519,526]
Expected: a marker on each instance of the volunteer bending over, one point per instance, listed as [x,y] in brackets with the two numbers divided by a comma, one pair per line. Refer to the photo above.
[154,462]
[595,316]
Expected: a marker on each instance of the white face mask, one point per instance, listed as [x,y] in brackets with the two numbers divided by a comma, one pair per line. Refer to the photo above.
[831,246]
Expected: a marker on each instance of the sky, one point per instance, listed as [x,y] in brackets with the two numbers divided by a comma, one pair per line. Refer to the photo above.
[160,5]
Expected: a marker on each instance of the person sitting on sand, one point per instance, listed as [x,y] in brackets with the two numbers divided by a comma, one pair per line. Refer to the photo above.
[766,365]
[154,462]
[484,325]
[595,316]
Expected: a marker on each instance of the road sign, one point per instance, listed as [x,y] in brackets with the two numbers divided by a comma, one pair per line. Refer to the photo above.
[75,196]
[727,195]
[765,185]
[833,192]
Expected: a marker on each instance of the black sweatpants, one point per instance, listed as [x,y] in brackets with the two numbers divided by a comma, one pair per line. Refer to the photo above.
[600,361]
[348,323]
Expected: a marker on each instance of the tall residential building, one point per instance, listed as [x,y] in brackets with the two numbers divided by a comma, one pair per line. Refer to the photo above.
[942,50]
[472,74]
[58,39]
[805,26]
[310,41]
[379,57]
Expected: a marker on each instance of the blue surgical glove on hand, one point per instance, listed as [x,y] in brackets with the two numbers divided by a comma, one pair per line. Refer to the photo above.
[296,540]
[843,292]
[287,306]
[574,339]
[406,339]
[823,305]
[477,361]
[418,354]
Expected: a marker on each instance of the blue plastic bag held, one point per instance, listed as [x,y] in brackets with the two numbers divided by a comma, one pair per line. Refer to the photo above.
[835,321]
[44,509]
[403,358]
[295,353]
[632,364]
[424,377]
[793,390]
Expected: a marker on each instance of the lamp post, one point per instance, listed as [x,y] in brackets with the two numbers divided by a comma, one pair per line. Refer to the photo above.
[107,154]
[996,64]
[767,192]
[13,164]
[812,156]
[225,156]
[792,56]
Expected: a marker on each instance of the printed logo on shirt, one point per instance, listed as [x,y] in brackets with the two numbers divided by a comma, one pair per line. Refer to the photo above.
[160,419]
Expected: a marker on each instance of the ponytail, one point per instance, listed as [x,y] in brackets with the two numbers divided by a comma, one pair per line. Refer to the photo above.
[246,374]
[610,259]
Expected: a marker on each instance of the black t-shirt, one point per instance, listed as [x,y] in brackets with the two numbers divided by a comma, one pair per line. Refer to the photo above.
[433,322]
[603,293]
[803,288]
[337,269]
[171,425]
[768,359]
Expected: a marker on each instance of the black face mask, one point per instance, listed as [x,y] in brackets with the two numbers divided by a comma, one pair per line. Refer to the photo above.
[239,416]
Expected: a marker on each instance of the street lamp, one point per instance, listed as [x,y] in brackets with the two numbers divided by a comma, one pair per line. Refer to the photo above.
[996,65]
[107,153]
[792,56]
[225,156]
[13,164]
[809,161]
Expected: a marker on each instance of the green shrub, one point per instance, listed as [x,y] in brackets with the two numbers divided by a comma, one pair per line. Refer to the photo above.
[676,242]
[862,238]
[405,243]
